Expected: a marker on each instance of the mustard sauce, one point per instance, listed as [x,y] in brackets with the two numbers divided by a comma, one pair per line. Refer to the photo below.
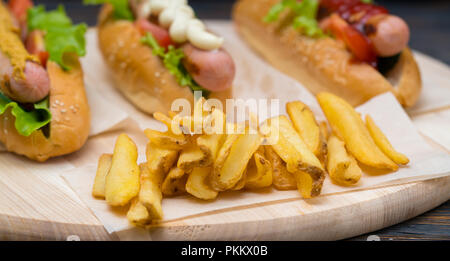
[11,45]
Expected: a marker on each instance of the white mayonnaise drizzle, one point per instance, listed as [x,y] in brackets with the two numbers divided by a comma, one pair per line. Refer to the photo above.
[179,18]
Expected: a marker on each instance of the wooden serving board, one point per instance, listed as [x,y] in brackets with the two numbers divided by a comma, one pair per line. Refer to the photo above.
[43,207]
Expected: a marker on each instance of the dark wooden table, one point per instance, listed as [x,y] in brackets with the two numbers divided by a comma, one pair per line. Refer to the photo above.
[430,33]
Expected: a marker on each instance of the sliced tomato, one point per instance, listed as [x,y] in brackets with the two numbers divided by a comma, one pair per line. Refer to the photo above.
[43,58]
[19,8]
[35,45]
[358,44]
[35,42]
[161,35]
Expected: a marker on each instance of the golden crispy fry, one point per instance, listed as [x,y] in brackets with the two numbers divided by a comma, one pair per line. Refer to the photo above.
[383,143]
[199,116]
[323,126]
[197,185]
[104,164]
[122,181]
[191,157]
[138,214]
[172,126]
[291,148]
[210,144]
[241,183]
[354,172]
[308,185]
[259,173]
[339,162]
[282,178]
[175,183]
[305,123]
[231,163]
[348,125]
[166,140]
[150,195]
[222,155]
[214,123]
[159,159]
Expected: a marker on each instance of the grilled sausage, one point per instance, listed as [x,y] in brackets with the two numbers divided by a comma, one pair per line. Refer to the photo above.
[213,70]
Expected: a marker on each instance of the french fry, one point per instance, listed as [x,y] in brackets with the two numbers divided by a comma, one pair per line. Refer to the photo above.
[231,162]
[166,140]
[305,124]
[138,214]
[383,143]
[175,183]
[159,159]
[122,181]
[197,186]
[324,130]
[348,125]
[353,172]
[222,155]
[308,185]
[199,116]
[104,164]
[241,183]
[210,144]
[191,157]
[150,195]
[171,125]
[282,178]
[293,150]
[339,162]
[259,173]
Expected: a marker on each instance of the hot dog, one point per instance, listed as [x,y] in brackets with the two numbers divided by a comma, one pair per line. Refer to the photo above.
[214,70]
[32,87]
[352,48]
[160,52]
[38,90]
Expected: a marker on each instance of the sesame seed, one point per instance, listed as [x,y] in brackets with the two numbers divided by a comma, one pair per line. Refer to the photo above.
[62,103]
[63,111]
[157,74]
[123,65]
[66,119]
[56,101]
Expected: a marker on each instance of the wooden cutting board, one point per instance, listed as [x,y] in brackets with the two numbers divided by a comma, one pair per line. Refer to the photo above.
[43,207]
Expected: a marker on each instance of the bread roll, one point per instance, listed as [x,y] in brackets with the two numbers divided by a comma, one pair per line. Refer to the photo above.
[322,64]
[139,75]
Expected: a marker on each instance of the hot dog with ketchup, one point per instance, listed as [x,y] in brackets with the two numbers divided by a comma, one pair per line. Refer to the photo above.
[159,52]
[353,48]
[43,107]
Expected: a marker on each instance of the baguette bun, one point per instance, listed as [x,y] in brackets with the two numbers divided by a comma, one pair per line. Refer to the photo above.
[69,127]
[140,75]
[322,64]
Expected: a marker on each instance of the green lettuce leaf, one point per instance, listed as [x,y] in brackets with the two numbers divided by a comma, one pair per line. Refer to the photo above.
[367,1]
[305,11]
[121,8]
[60,35]
[26,122]
[172,61]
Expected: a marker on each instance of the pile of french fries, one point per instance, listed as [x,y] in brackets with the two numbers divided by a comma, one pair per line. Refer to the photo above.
[202,160]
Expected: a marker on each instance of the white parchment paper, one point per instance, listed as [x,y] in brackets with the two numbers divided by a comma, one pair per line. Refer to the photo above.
[426,163]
